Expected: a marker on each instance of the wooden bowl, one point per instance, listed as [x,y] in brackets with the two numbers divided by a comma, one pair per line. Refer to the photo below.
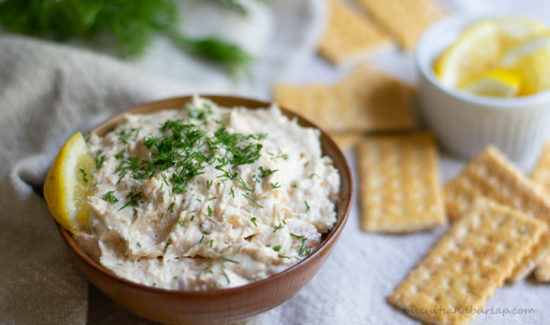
[219,305]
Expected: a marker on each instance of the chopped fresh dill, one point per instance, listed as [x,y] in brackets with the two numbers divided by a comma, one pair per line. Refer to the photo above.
[283,256]
[266,172]
[209,184]
[138,244]
[241,181]
[313,175]
[181,222]
[275,185]
[307,206]
[280,155]
[168,243]
[212,198]
[133,199]
[110,197]
[207,270]
[304,251]
[248,197]
[122,136]
[120,154]
[295,185]
[171,207]
[84,175]
[253,220]
[211,243]
[306,163]
[209,211]
[225,259]
[99,160]
[256,178]
[232,191]
[277,248]
[226,277]
[192,217]
[202,238]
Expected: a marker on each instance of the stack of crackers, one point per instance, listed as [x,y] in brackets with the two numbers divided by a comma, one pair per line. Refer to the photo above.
[500,233]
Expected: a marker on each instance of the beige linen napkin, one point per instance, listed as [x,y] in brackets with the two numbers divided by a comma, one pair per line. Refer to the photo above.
[48,92]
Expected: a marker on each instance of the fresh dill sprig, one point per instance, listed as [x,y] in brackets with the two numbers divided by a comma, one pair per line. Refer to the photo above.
[130,26]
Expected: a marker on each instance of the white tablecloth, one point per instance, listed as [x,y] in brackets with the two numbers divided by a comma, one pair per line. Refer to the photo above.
[48,92]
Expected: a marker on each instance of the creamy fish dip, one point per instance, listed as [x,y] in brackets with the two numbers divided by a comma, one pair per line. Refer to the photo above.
[207,197]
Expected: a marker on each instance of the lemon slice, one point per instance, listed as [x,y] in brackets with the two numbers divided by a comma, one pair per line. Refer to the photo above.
[531,59]
[495,83]
[480,47]
[66,187]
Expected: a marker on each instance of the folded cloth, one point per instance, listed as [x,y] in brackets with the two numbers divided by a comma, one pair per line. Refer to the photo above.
[47,93]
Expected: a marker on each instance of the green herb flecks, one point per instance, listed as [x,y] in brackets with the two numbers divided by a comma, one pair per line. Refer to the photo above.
[248,197]
[168,243]
[209,211]
[275,185]
[307,205]
[266,172]
[277,248]
[171,207]
[133,199]
[225,259]
[241,181]
[129,26]
[226,277]
[253,220]
[99,160]
[84,175]
[304,251]
[110,197]
[181,222]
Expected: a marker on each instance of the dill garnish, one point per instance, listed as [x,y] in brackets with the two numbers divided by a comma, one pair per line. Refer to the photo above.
[84,175]
[248,197]
[133,199]
[225,259]
[304,251]
[110,197]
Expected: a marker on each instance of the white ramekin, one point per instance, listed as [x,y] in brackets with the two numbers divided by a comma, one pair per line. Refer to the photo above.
[463,123]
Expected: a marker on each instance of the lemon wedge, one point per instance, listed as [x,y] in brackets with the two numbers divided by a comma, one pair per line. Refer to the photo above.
[480,47]
[495,83]
[531,59]
[66,187]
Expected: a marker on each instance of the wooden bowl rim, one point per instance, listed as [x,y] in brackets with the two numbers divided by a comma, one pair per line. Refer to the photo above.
[171,103]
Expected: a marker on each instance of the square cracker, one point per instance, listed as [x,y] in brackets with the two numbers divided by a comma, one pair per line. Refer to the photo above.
[541,178]
[404,19]
[367,100]
[491,175]
[532,260]
[349,35]
[462,271]
[399,184]
[542,272]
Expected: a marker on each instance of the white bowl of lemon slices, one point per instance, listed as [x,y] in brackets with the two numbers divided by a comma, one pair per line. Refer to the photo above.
[485,80]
